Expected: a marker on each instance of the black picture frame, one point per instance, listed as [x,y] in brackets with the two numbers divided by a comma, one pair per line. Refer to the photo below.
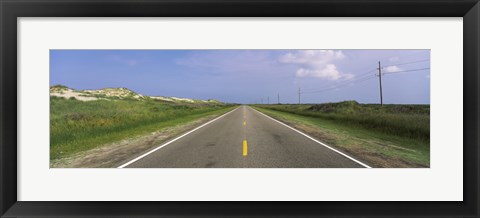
[10,10]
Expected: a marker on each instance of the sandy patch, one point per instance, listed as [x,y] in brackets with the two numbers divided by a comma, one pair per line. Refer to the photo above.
[162,98]
[68,93]
[183,99]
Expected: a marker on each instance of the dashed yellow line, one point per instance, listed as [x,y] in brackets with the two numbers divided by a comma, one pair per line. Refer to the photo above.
[245,148]
[245,145]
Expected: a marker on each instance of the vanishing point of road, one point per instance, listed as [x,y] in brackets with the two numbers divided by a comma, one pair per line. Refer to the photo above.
[244,138]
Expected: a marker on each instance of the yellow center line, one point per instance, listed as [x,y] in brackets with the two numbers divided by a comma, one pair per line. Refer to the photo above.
[245,148]
[245,145]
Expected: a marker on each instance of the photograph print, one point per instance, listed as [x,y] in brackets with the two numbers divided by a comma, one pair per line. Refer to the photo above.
[240,108]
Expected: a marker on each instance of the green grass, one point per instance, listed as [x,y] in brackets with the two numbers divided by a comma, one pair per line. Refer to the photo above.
[388,136]
[411,121]
[77,126]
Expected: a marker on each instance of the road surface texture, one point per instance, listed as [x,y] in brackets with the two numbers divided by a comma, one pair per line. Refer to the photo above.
[244,138]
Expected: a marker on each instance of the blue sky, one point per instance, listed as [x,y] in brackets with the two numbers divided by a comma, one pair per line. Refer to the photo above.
[250,76]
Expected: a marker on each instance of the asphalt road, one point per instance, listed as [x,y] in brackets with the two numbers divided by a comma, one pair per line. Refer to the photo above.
[244,138]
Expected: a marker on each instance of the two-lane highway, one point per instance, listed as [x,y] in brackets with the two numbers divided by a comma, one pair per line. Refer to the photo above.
[244,137]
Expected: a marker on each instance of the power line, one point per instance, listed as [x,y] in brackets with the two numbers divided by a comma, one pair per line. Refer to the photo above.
[344,83]
[404,71]
[412,62]
[358,79]
[411,54]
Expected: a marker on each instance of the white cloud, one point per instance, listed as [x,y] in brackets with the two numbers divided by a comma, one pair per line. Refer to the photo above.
[312,57]
[316,63]
[329,71]
[391,69]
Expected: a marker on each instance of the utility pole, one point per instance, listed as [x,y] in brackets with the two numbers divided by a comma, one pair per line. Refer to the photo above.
[268,100]
[278,98]
[262,100]
[380,79]
[298,95]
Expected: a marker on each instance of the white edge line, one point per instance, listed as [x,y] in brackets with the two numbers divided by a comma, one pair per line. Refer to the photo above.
[175,139]
[319,142]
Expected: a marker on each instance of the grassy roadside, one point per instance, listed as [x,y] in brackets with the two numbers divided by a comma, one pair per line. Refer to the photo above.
[378,148]
[78,126]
